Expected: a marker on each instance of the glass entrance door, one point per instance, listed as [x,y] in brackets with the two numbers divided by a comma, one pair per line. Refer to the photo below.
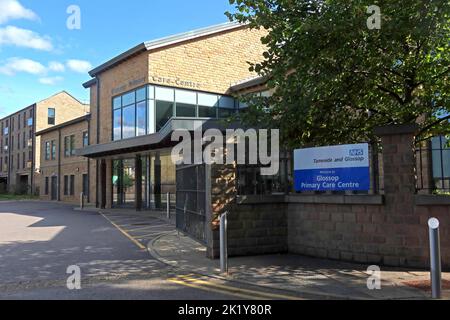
[123,180]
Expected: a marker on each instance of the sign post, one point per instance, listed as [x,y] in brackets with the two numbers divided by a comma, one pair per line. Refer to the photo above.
[334,168]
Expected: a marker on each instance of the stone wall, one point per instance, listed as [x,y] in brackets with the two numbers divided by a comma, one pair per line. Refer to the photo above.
[258,229]
[253,228]
[389,229]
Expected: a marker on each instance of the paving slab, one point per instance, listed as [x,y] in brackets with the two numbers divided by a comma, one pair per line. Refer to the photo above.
[294,273]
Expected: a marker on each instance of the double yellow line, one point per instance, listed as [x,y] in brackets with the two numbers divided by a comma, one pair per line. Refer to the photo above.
[125,233]
[193,281]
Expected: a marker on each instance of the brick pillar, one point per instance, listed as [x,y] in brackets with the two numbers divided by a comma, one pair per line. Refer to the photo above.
[398,166]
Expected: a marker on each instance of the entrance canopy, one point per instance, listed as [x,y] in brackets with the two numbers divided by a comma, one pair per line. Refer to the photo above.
[159,140]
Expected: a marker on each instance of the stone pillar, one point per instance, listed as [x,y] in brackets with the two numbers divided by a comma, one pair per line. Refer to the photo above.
[398,166]
[138,184]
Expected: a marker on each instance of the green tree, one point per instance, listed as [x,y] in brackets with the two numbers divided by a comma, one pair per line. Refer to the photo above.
[335,79]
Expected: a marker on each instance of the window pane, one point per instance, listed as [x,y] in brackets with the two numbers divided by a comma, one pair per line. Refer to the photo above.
[207,100]
[243,105]
[141,118]
[117,124]
[141,94]
[436,143]
[117,103]
[129,98]
[129,122]
[164,94]
[266,94]
[186,110]
[151,92]
[187,97]
[164,111]
[72,145]
[225,113]
[226,103]
[151,116]
[207,112]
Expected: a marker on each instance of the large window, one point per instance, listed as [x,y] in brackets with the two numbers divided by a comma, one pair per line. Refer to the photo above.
[53,150]
[85,139]
[47,150]
[69,146]
[186,103]
[130,115]
[69,185]
[147,110]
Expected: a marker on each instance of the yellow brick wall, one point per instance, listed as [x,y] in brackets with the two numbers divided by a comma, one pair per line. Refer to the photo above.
[67,108]
[215,62]
[131,70]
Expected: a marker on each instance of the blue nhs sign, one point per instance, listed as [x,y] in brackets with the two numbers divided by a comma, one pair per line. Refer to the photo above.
[334,168]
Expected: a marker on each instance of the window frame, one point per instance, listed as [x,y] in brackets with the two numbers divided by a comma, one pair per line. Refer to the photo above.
[49,117]
[151,99]
[47,150]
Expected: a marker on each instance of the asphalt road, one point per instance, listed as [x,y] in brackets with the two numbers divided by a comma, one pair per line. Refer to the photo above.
[40,240]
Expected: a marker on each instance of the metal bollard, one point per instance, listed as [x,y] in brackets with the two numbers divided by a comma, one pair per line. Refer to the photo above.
[223,244]
[168,205]
[81,201]
[435,258]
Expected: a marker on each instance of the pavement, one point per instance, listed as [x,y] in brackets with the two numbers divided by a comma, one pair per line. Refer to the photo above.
[297,275]
[124,254]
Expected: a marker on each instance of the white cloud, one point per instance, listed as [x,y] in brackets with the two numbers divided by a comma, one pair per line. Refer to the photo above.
[14,65]
[12,9]
[50,80]
[11,35]
[56,66]
[80,66]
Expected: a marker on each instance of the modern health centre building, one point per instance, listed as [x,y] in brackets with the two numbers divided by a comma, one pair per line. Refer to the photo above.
[139,97]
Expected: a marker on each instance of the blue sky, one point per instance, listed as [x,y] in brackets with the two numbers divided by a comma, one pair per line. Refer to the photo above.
[40,56]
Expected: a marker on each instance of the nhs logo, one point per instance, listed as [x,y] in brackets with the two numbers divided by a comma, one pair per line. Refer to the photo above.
[356,152]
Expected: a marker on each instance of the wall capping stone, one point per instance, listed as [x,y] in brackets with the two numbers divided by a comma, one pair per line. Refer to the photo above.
[337,199]
[396,129]
[311,198]
[260,199]
[431,200]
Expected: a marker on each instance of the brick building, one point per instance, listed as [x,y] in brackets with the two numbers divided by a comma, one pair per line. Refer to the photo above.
[64,176]
[139,97]
[19,145]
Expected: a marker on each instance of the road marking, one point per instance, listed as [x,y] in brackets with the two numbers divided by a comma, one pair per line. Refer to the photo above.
[140,245]
[188,280]
[196,286]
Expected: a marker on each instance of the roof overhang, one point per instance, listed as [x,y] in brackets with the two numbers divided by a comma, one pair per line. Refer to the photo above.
[249,83]
[165,42]
[156,141]
[90,83]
